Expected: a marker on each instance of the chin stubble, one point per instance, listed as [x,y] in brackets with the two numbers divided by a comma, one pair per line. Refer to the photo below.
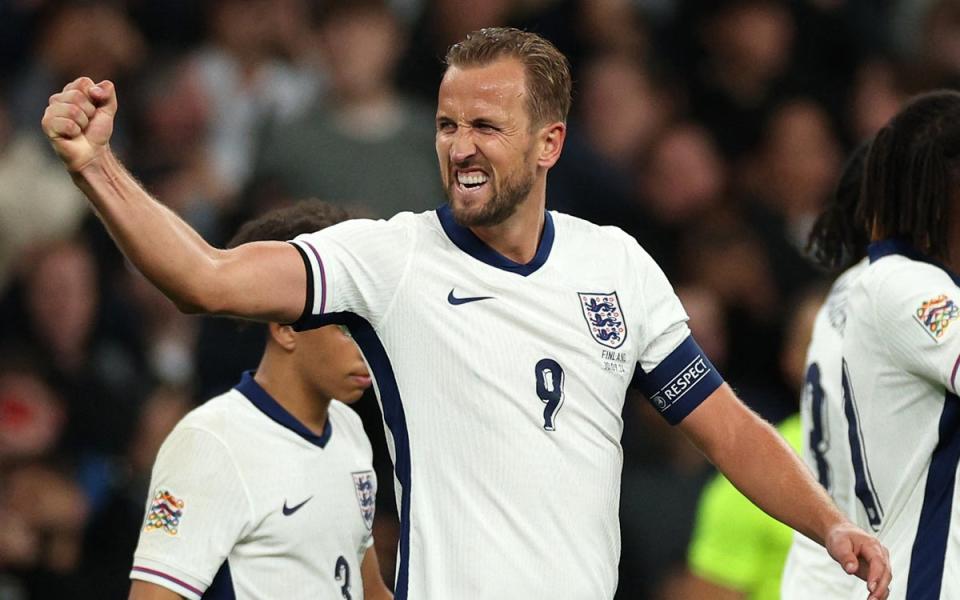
[499,208]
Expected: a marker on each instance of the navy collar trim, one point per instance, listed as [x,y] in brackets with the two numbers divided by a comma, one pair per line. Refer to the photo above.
[468,241]
[879,249]
[259,397]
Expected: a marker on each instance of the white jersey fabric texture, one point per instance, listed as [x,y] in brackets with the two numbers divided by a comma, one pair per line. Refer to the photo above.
[248,503]
[900,350]
[502,386]
[810,572]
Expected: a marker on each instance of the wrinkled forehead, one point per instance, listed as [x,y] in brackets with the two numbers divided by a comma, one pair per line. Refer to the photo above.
[495,89]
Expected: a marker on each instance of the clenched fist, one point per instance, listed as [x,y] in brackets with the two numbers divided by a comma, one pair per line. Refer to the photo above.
[79,121]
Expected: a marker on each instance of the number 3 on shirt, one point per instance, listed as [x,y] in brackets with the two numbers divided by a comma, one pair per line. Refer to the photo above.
[549,376]
[342,573]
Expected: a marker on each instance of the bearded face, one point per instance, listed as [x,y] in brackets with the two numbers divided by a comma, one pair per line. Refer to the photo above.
[484,142]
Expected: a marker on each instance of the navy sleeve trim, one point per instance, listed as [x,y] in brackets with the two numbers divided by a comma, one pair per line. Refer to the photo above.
[681,381]
[299,324]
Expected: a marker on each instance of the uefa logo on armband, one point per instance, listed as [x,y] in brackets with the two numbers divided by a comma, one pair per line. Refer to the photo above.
[660,402]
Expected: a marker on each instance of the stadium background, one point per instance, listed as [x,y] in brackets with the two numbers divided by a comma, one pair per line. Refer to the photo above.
[713,131]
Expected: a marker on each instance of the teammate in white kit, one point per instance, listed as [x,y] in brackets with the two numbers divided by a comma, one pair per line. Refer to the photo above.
[268,490]
[837,239]
[901,349]
[501,337]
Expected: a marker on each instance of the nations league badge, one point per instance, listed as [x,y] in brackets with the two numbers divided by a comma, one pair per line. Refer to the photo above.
[604,318]
[366,488]
[936,314]
[165,513]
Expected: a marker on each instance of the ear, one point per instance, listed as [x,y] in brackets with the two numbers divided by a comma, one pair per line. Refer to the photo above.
[284,336]
[552,137]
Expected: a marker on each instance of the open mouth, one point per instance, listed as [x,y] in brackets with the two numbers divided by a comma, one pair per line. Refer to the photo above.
[471,180]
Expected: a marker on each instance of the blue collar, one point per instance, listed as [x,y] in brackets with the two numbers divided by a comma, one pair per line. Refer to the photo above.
[879,249]
[467,241]
[259,397]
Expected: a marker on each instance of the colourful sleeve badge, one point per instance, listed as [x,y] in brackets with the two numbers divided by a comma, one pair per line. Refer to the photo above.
[165,512]
[936,314]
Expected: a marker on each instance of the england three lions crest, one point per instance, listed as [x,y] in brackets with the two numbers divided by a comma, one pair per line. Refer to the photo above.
[366,488]
[604,318]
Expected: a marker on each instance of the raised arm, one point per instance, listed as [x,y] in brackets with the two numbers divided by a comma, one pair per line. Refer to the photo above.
[753,456]
[264,281]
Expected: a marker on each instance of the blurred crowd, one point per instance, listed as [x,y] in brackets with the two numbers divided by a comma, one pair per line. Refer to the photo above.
[711,130]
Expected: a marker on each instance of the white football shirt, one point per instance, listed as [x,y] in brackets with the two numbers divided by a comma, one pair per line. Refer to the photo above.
[809,571]
[502,387]
[900,351]
[248,503]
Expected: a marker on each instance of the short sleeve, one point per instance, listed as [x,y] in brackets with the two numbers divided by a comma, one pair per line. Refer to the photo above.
[197,509]
[665,322]
[672,372]
[354,267]
[917,308]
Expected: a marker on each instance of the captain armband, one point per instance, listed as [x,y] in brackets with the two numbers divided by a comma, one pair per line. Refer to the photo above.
[680,382]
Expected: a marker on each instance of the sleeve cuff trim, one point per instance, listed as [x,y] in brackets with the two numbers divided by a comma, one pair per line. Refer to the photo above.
[153,575]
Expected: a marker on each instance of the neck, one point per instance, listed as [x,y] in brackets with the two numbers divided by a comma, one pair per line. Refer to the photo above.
[279,376]
[518,237]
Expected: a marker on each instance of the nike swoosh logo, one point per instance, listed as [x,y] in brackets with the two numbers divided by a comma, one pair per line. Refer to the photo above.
[287,511]
[458,301]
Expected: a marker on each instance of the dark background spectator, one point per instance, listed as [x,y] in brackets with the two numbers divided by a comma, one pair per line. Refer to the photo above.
[712,130]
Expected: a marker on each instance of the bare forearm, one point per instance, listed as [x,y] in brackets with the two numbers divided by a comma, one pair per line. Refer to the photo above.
[760,464]
[756,459]
[769,473]
[263,280]
[161,245]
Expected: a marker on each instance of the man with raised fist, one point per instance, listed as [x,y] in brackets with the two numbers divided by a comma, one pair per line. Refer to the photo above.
[502,339]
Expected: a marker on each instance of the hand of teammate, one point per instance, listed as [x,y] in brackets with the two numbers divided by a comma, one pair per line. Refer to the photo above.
[862,555]
[79,121]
